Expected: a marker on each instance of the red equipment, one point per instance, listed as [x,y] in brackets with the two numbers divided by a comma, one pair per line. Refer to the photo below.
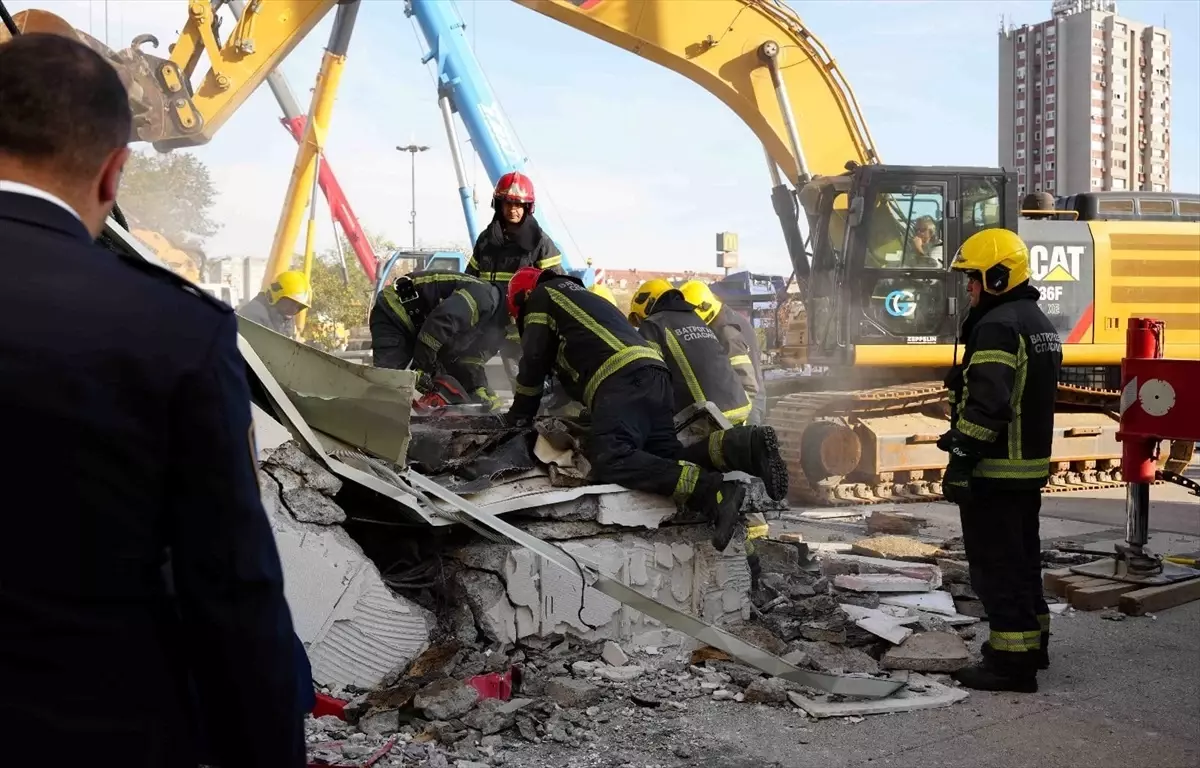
[524,281]
[1154,407]
[338,203]
[514,187]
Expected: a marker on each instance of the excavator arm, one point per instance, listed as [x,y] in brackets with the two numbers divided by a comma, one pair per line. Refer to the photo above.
[756,56]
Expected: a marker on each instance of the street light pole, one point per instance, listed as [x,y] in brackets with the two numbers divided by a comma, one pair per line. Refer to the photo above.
[412,150]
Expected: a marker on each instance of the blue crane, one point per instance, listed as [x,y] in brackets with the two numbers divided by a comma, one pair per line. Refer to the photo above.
[462,88]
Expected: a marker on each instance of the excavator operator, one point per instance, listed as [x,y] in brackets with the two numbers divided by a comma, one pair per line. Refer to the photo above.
[738,339]
[604,363]
[1002,416]
[276,308]
[512,240]
[439,321]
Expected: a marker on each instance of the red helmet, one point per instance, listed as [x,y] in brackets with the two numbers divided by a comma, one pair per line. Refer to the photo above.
[519,287]
[514,187]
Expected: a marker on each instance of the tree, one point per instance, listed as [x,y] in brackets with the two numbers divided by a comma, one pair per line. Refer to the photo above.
[337,301]
[172,194]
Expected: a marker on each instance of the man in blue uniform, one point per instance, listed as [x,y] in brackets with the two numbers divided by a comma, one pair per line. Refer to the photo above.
[141,591]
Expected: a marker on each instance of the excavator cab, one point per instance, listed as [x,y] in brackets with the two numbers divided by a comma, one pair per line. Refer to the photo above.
[883,238]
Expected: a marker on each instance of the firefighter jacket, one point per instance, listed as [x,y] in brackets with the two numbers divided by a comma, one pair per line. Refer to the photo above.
[1002,395]
[700,367]
[737,336]
[500,252]
[570,331]
[260,310]
[423,312]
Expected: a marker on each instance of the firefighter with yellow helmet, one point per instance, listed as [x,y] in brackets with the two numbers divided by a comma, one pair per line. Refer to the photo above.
[1002,426]
[738,339]
[276,308]
[600,289]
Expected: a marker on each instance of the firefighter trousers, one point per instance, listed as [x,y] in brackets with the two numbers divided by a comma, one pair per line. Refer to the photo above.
[1000,532]
[633,441]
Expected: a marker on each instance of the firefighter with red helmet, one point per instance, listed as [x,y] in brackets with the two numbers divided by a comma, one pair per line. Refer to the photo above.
[603,362]
[512,240]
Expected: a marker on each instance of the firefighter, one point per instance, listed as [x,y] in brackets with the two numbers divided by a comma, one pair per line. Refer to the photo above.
[1002,425]
[740,343]
[738,338]
[439,320]
[276,308]
[604,291]
[605,364]
[512,240]
[700,369]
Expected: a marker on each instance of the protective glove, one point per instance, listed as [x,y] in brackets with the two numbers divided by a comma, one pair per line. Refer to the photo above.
[424,383]
[956,481]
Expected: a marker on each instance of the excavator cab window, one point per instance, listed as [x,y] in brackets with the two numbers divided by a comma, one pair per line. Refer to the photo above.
[901,251]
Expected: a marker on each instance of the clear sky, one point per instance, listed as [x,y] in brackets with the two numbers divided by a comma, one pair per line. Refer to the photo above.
[634,165]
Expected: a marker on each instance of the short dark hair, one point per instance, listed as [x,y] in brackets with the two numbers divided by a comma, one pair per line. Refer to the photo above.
[62,106]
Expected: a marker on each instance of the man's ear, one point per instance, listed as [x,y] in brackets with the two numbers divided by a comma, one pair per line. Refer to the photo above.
[110,175]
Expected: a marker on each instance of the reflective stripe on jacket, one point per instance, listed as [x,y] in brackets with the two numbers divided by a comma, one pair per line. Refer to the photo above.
[568,330]
[700,368]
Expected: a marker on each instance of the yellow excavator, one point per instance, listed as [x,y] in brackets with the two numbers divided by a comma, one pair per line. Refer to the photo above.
[881,314]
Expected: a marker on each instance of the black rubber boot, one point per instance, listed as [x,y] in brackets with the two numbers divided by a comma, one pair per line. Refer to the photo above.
[1042,655]
[755,451]
[996,674]
[722,503]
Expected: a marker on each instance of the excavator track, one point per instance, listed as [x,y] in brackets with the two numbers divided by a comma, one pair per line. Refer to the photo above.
[821,438]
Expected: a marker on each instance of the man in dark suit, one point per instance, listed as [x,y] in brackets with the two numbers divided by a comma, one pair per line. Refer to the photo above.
[141,594]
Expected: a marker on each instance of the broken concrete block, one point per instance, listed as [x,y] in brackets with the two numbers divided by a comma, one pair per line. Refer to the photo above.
[921,693]
[824,631]
[445,699]
[634,509]
[779,556]
[613,655]
[835,659]
[954,571]
[571,693]
[766,690]
[380,722]
[834,564]
[623,674]
[356,630]
[971,608]
[934,602]
[880,582]
[584,668]
[491,716]
[310,506]
[928,652]
[881,521]
[896,548]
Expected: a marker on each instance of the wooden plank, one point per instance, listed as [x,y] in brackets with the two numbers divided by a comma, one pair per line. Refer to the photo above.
[1050,579]
[1101,596]
[1153,599]
[1064,584]
[1075,586]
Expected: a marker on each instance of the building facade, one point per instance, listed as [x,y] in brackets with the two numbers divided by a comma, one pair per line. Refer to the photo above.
[1085,101]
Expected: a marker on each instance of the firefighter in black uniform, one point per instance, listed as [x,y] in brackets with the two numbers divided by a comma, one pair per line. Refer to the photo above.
[512,240]
[439,321]
[604,363]
[737,336]
[1002,425]
[142,602]
[699,367]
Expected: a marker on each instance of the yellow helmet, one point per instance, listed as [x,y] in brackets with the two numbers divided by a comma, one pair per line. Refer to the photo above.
[643,299]
[699,294]
[1000,257]
[604,291]
[290,285]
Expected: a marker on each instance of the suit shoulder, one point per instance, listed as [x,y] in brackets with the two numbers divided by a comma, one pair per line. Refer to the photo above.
[167,278]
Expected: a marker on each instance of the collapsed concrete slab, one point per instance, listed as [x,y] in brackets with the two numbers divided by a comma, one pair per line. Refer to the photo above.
[356,630]
[514,594]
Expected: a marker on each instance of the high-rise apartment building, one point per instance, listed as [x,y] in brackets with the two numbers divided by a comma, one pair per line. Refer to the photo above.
[1085,101]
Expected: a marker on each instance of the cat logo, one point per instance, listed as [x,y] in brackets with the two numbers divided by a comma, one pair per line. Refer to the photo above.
[1058,264]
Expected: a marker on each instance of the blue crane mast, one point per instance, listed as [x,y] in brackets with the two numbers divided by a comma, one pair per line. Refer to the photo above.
[462,88]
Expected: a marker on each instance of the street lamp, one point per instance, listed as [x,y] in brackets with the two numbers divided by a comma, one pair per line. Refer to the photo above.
[412,150]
